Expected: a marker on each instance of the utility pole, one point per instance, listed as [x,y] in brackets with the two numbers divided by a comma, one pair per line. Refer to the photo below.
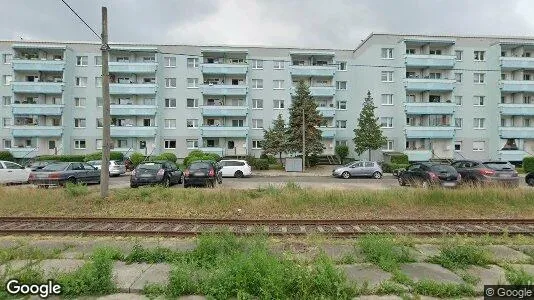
[303,141]
[106,139]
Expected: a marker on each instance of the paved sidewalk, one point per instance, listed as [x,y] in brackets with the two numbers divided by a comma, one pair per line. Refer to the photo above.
[318,171]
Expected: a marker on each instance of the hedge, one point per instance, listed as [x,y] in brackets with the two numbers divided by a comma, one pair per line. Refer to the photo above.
[528,164]
[196,155]
[399,159]
[66,158]
[271,158]
[136,158]
[98,156]
[167,156]
[6,155]
[390,167]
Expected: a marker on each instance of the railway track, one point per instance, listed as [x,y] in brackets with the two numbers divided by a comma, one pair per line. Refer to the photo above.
[188,227]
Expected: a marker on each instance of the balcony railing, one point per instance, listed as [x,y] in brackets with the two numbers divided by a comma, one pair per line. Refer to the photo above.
[429,108]
[224,111]
[37,109]
[216,150]
[38,65]
[516,132]
[29,152]
[428,84]
[517,86]
[430,61]
[516,109]
[132,89]
[131,67]
[133,110]
[512,155]
[223,90]
[37,87]
[319,71]
[228,69]
[133,131]
[418,155]
[327,112]
[223,131]
[328,132]
[36,131]
[516,63]
[318,91]
[430,132]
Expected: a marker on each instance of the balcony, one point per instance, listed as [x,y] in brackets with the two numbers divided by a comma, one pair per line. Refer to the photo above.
[133,131]
[132,89]
[430,61]
[327,112]
[429,132]
[38,109]
[429,108]
[38,65]
[132,68]
[512,155]
[223,90]
[517,63]
[418,155]
[228,69]
[328,132]
[24,152]
[519,109]
[427,84]
[318,91]
[224,111]
[216,150]
[517,86]
[319,71]
[133,110]
[37,131]
[516,132]
[37,87]
[224,131]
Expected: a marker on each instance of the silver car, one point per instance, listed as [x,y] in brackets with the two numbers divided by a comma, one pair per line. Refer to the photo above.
[359,169]
[116,168]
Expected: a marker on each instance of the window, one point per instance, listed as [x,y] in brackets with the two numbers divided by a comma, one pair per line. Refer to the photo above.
[257,64]
[98,60]
[386,122]
[191,144]
[434,75]
[278,64]
[341,124]
[170,123]
[170,102]
[341,85]
[79,102]
[479,146]
[6,100]
[82,61]
[387,53]
[479,100]
[7,144]
[410,51]
[7,122]
[99,122]
[458,54]
[99,144]
[238,123]
[170,62]
[388,146]
[79,144]
[458,77]
[192,103]
[341,105]
[79,123]
[458,100]
[98,81]
[478,78]
[99,101]
[387,76]
[458,146]
[192,83]
[7,58]
[278,84]
[257,83]
[341,143]
[256,144]
[458,122]
[257,103]
[169,144]
[122,143]
[478,123]
[342,66]
[81,81]
[123,59]
[171,82]
[278,104]
[479,55]
[192,123]
[435,52]
[7,79]
[387,99]
[192,62]
[257,123]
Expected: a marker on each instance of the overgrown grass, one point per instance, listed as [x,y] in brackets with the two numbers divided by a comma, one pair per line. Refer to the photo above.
[461,257]
[517,276]
[76,189]
[29,274]
[30,253]
[384,252]
[442,290]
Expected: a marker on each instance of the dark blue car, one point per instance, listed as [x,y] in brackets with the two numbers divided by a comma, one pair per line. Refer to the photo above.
[60,173]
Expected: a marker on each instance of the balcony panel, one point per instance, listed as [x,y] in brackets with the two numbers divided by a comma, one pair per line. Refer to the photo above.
[430,61]
[517,86]
[224,111]
[418,155]
[424,84]
[517,63]
[327,112]
[516,132]
[223,131]
[38,65]
[133,110]
[224,90]
[132,89]
[216,150]
[512,155]
[37,87]
[429,108]
[513,109]
[131,67]
[429,132]
[228,69]
[37,131]
[328,132]
[319,71]
[318,91]
[37,109]
[24,152]
[133,131]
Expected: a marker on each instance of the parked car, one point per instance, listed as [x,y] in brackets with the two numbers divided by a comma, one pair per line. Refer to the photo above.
[487,172]
[116,168]
[59,173]
[11,172]
[426,174]
[203,173]
[156,172]
[529,179]
[235,168]
[359,169]
[37,165]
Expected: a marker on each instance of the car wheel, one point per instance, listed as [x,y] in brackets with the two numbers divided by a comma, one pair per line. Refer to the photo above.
[401,181]
[238,174]
[425,184]
[186,186]
[377,175]
[72,180]
[181,179]
[530,181]
[166,181]
[345,175]
[133,186]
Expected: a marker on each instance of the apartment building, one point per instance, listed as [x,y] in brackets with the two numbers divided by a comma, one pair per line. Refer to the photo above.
[436,96]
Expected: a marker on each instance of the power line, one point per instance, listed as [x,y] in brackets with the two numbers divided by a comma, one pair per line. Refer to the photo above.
[81,19]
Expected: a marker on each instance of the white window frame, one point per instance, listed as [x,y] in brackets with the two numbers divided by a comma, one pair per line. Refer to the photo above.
[478,54]
[339,124]
[389,146]
[388,121]
[79,121]
[170,61]
[279,65]
[256,144]
[194,146]
[339,105]
[78,144]
[278,84]
[192,83]
[255,103]
[388,99]
[458,77]
[459,55]
[386,53]
[257,64]
[257,84]
[479,78]
[168,123]
[340,65]
[458,122]
[8,79]
[80,82]
[477,122]
[5,144]
[479,149]
[279,102]
[7,58]
[169,82]
[457,143]
[80,101]
[194,123]
[167,144]
[195,103]
[387,75]
[97,58]
[477,100]
[192,62]
[339,85]
[169,101]
[82,61]
[7,103]
[458,100]
[98,81]
[257,123]
[7,124]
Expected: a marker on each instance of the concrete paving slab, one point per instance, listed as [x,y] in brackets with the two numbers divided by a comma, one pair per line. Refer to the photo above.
[157,273]
[528,268]
[338,252]
[425,251]
[295,250]
[179,245]
[506,254]
[125,275]
[15,265]
[57,266]
[375,297]
[492,275]
[360,274]
[527,249]
[426,271]
[6,244]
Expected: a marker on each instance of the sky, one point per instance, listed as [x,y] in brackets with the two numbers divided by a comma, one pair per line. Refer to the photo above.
[339,24]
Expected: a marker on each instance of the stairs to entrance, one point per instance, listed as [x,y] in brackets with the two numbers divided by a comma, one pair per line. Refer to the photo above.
[328,160]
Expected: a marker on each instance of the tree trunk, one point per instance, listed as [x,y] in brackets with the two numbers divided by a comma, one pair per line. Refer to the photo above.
[280,153]
[369,154]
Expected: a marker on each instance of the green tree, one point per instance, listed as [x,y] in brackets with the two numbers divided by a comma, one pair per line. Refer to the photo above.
[368,135]
[303,102]
[275,138]
[342,151]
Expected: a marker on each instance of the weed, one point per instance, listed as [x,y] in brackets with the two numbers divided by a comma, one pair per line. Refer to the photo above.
[384,252]
[390,288]
[153,290]
[292,186]
[518,277]
[401,278]
[442,290]
[30,253]
[76,189]
[152,256]
[461,257]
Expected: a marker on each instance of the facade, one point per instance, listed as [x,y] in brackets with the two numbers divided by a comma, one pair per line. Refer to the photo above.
[436,96]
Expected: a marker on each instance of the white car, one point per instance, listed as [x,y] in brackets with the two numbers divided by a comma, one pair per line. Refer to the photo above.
[11,172]
[235,168]
[116,168]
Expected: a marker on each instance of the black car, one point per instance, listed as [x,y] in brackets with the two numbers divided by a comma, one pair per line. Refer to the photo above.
[38,165]
[60,173]
[203,173]
[426,174]
[529,179]
[487,172]
[156,172]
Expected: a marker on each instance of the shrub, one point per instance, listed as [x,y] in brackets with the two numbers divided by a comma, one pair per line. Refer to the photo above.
[276,167]
[312,160]
[167,156]
[271,158]
[399,159]
[260,164]
[98,156]
[136,158]
[67,158]
[528,164]
[6,155]
[342,152]
[199,155]
[76,189]
[390,167]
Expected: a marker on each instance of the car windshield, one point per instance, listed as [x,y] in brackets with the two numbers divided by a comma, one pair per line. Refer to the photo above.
[119,162]
[499,166]
[199,166]
[56,167]
[350,164]
[95,162]
[443,168]
[150,166]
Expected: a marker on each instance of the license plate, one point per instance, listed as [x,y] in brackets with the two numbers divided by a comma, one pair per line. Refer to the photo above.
[199,174]
[505,175]
[146,175]
[41,176]
[449,184]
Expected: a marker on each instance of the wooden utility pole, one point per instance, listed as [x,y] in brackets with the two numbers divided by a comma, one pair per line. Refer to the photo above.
[303,140]
[106,139]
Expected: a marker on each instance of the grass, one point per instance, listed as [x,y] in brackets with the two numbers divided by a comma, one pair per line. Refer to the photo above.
[29,253]
[76,189]
[384,252]
[518,276]
[461,257]
[442,290]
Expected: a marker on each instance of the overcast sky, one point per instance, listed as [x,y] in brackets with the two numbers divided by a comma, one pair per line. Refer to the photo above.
[302,23]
